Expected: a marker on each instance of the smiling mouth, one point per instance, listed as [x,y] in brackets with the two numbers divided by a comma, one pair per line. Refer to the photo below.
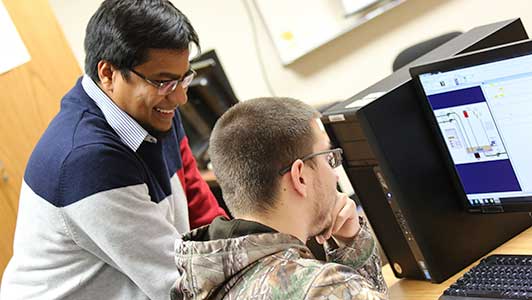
[165,111]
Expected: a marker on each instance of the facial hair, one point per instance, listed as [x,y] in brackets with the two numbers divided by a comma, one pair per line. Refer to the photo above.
[322,210]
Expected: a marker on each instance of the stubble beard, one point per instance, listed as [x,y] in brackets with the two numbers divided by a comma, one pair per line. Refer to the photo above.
[322,212]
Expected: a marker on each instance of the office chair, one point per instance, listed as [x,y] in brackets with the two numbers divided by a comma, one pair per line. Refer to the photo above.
[413,52]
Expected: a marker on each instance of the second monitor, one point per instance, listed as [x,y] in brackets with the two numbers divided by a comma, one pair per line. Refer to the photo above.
[209,95]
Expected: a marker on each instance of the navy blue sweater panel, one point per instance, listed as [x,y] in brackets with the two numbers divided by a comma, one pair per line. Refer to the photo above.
[80,155]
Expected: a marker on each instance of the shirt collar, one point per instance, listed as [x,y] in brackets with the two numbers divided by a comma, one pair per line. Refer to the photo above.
[129,130]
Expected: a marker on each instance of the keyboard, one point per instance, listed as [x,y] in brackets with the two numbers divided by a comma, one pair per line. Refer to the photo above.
[495,277]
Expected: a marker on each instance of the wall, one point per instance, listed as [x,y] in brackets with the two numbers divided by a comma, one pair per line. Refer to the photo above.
[335,71]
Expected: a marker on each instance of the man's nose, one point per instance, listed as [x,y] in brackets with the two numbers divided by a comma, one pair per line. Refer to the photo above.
[178,96]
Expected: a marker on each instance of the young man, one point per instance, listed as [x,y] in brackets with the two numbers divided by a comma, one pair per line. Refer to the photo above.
[275,166]
[112,182]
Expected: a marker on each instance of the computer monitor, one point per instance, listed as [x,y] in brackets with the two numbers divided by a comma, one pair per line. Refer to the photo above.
[480,107]
[209,95]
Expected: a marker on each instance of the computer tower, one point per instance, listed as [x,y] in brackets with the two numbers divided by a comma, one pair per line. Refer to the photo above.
[401,180]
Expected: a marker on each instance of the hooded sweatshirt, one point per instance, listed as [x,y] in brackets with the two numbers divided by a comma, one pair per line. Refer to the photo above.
[240,259]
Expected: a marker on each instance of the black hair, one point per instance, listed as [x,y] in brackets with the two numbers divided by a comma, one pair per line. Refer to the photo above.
[122,31]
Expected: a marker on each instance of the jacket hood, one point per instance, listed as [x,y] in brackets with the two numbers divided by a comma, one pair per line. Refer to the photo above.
[209,257]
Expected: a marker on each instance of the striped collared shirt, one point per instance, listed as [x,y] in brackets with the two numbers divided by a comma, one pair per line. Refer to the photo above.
[129,130]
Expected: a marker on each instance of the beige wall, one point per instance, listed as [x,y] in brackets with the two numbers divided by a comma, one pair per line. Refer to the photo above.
[334,71]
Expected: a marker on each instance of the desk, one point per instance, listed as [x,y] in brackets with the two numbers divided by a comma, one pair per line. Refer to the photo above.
[423,290]
[209,177]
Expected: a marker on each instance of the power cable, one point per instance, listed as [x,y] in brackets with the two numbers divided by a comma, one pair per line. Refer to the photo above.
[257,48]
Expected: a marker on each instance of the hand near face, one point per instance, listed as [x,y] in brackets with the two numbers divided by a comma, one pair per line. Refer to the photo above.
[344,220]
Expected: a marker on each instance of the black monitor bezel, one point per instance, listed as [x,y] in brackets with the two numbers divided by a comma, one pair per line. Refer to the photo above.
[489,55]
[208,65]
[210,77]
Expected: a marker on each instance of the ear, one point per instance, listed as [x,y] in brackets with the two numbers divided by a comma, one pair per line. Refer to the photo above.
[297,177]
[106,73]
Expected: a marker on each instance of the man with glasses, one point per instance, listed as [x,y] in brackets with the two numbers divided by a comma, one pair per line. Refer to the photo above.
[112,182]
[275,166]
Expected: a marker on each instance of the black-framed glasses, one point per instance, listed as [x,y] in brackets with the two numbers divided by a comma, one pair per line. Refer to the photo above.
[334,158]
[166,87]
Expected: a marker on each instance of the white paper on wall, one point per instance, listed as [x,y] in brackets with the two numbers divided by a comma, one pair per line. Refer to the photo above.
[13,52]
[354,6]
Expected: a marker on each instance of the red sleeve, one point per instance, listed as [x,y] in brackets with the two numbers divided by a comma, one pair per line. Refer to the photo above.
[202,205]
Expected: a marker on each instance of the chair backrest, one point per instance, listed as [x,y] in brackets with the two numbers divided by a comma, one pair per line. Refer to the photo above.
[411,53]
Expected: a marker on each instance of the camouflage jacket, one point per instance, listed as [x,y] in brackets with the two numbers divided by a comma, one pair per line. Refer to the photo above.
[240,259]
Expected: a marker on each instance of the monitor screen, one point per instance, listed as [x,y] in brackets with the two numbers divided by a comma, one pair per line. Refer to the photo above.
[209,95]
[480,106]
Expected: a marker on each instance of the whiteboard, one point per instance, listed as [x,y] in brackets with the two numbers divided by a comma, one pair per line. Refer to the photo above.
[297,27]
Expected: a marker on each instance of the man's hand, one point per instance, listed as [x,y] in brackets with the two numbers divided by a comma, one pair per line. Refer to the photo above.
[344,220]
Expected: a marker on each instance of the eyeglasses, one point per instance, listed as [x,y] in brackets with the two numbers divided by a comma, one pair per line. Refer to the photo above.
[334,158]
[166,87]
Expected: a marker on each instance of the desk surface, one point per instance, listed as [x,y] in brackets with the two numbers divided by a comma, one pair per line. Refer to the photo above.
[209,177]
[420,290]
